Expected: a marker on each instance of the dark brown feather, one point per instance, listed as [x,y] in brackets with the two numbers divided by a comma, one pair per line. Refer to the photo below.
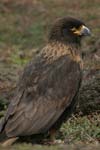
[47,90]
[36,110]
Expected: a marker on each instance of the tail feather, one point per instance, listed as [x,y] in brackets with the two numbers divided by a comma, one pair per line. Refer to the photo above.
[2,122]
[3,136]
[8,141]
[4,139]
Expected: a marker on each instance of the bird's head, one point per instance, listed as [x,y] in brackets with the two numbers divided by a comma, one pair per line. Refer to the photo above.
[68,30]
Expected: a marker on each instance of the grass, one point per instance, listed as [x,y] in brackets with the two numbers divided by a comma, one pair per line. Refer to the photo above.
[60,147]
[82,128]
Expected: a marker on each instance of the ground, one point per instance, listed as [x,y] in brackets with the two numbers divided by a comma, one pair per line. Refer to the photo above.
[24,27]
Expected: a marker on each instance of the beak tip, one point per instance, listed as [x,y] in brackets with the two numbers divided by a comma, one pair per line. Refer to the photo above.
[89,32]
[86,31]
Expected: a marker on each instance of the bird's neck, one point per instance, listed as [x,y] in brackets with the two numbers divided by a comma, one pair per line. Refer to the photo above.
[54,50]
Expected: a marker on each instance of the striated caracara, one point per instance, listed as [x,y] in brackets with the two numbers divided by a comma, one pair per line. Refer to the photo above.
[47,91]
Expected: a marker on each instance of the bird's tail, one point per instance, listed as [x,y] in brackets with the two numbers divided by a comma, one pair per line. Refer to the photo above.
[4,139]
[3,136]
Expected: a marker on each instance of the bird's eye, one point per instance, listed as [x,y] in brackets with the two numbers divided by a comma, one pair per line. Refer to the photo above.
[74,29]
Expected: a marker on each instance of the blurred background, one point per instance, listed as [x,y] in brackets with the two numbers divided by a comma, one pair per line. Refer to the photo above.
[24,27]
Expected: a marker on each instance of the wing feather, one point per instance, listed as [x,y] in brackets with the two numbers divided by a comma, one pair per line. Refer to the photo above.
[35,110]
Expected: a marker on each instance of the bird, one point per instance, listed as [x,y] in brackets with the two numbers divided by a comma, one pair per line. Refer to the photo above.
[47,91]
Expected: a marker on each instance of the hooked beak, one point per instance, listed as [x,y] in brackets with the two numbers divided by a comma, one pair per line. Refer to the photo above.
[82,31]
[85,31]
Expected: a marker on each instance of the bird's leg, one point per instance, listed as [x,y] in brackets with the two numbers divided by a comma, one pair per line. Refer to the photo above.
[52,134]
[52,140]
[9,142]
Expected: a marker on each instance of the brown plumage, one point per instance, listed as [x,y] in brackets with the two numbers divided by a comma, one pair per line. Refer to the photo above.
[46,93]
